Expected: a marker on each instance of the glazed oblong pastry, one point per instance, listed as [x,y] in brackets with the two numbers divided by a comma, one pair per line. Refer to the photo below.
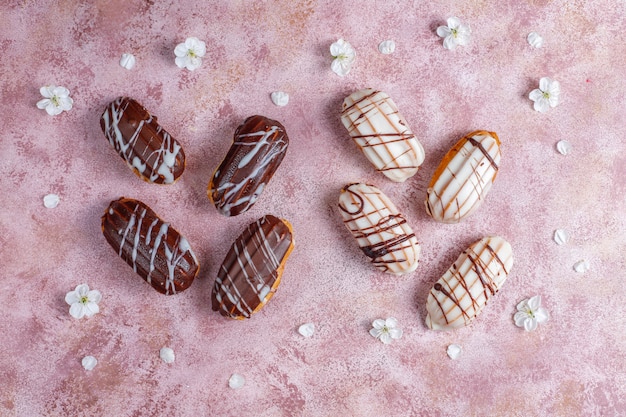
[252,269]
[258,148]
[463,291]
[380,229]
[464,177]
[154,249]
[152,153]
[379,130]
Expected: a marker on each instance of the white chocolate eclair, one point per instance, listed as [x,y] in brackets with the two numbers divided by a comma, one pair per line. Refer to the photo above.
[379,130]
[464,177]
[380,229]
[463,291]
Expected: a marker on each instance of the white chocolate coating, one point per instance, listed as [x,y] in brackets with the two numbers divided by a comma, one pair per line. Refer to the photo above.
[463,291]
[380,230]
[464,177]
[379,130]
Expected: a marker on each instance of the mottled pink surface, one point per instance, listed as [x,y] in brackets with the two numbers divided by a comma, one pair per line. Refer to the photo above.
[574,365]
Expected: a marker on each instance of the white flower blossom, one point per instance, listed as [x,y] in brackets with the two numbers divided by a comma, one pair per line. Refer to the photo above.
[343,56]
[456,33]
[57,100]
[547,95]
[189,53]
[530,314]
[83,302]
[386,330]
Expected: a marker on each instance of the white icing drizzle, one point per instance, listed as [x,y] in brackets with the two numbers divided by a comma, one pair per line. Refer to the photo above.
[268,150]
[151,166]
[380,229]
[464,182]
[379,130]
[464,289]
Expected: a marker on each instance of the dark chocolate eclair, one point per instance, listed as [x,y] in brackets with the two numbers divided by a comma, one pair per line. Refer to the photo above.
[258,148]
[150,151]
[251,271]
[154,249]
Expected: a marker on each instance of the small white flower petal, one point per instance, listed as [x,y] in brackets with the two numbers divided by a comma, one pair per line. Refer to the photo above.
[542,105]
[443,31]
[378,324]
[307,329]
[90,309]
[89,362]
[519,318]
[82,290]
[450,42]
[181,50]
[46,91]
[167,355]
[340,67]
[535,40]
[77,310]
[395,333]
[453,22]
[280,98]
[43,103]
[236,381]
[51,201]
[391,322]
[387,47]
[582,266]
[541,315]
[564,147]
[376,332]
[128,61]
[544,84]
[534,302]
[535,95]
[385,337]
[60,92]
[94,296]
[530,324]
[561,236]
[454,351]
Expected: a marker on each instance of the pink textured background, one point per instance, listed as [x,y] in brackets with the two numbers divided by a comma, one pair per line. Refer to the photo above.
[575,365]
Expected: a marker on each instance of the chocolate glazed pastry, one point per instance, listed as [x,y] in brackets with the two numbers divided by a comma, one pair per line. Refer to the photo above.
[147,148]
[258,148]
[155,251]
[251,272]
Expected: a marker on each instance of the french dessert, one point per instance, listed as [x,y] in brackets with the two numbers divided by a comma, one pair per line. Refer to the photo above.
[154,249]
[379,130]
[464,177]
[152,153]
[258,148]
[380,229]
[464,289]
[252,269]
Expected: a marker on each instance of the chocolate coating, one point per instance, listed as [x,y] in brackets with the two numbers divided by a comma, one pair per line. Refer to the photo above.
[135,134]
[258,148]
[251,271]
[154,249]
